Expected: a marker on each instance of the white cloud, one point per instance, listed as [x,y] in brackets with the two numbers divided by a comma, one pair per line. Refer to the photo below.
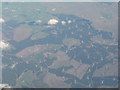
[63,22]
[53,21]
[38,21]
[69,21]
[2,20]
[3,45]
[4,86]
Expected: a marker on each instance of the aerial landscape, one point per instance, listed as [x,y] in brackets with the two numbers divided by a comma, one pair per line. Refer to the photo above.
[59,45]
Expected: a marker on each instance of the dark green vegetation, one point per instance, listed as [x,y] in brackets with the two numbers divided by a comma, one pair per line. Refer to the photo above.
[60,55]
